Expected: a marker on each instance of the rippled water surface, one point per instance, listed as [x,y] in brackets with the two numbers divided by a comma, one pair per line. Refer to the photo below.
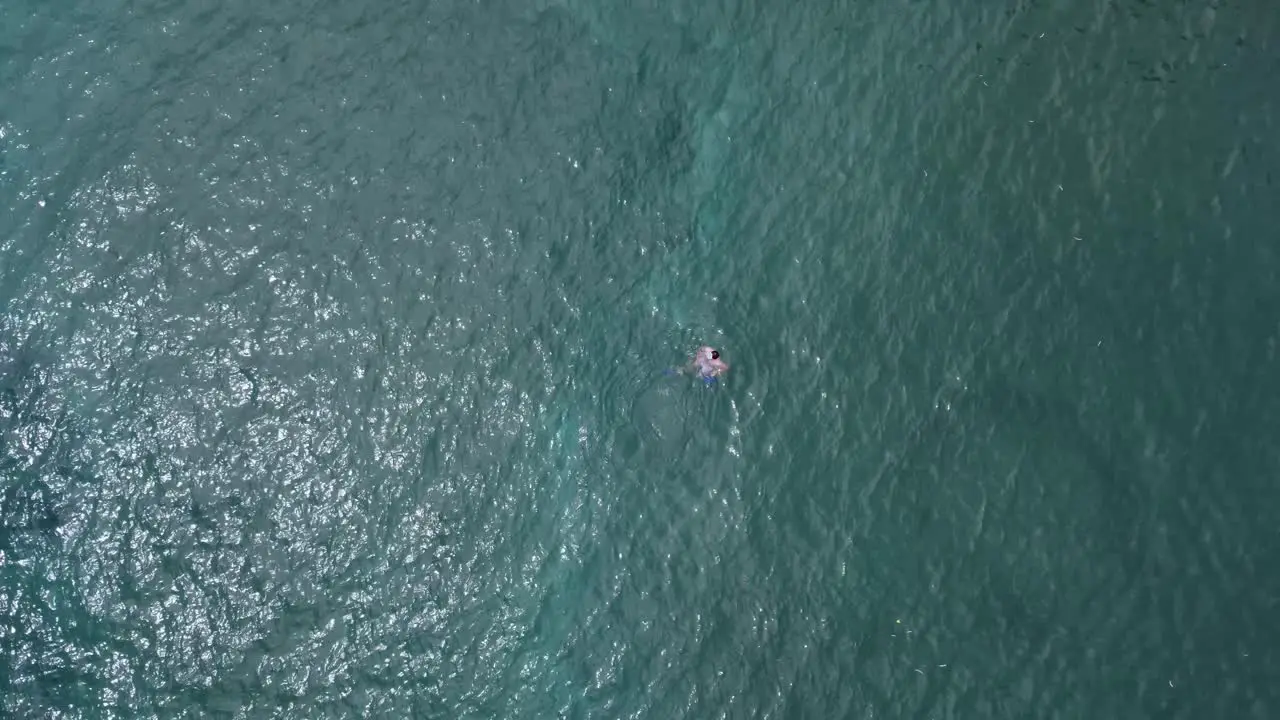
[332,339]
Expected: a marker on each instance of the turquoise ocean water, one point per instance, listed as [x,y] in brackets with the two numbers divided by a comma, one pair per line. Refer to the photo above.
[332,338]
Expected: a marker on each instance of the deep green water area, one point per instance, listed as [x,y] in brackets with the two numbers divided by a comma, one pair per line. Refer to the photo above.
[332,338]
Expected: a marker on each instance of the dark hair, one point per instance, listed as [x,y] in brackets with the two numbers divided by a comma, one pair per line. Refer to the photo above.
[715,354]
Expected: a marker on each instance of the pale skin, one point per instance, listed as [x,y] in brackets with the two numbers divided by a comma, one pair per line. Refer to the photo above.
[706,362]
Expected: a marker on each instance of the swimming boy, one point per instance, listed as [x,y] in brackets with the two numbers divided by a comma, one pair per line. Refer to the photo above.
[707,363]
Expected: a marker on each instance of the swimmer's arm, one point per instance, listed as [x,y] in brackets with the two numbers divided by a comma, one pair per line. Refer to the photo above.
[680,370]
